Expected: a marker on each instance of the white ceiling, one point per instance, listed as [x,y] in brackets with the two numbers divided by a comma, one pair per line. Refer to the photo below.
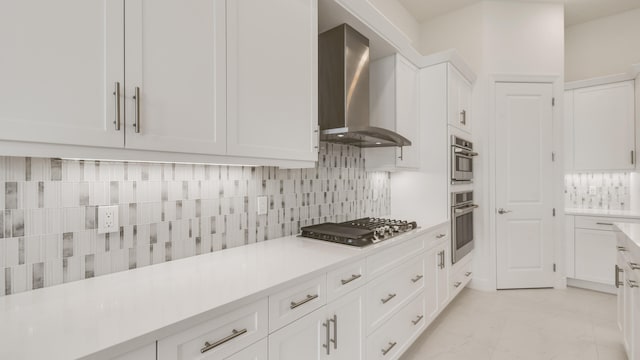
[576,11]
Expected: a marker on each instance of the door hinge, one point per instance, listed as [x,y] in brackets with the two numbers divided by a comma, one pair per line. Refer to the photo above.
[553,156]
[554,212]
[554,267]
[553,101]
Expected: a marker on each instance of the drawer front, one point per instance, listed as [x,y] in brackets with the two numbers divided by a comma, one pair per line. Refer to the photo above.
[596,223]
[257,351]
[296,301]
[391,340]
[462,276]
[438,235]
[345,279]
[390,292]
[386,260]
[220,337]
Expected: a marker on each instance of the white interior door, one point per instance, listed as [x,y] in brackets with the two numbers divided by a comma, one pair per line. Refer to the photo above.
[59,64]
[175,56]
[524,185]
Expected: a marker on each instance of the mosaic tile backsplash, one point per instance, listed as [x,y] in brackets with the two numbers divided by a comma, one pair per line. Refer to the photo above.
[167,211]
[608,191]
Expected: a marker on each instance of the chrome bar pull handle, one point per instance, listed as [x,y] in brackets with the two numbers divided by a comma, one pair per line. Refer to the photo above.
[352,278]
[136,109]
[388,298]
[468,273]
[334,320]
[309,297]
[391,346]
[417,320]
[502,211]
[327,337]
[463,117]
[633,157]
[606,224]
[440,236]
[621,248]
[618,283]
[416,279]
[234,334]
[116,94]
[632,283]
[634,266]
[457,284]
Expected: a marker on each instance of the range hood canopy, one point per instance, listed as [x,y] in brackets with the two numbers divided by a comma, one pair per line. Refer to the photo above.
[343,90]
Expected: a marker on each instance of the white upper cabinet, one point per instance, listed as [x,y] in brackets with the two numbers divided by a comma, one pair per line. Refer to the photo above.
[175,60]
[59,65]
[272,79]
[602,127]
[394,105]
[459,102]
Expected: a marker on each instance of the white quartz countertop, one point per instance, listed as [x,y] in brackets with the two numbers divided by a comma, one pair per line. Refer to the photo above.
[628,214]
[632,231]
[133,308]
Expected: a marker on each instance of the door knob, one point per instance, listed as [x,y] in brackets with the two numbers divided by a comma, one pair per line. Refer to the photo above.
[502,211]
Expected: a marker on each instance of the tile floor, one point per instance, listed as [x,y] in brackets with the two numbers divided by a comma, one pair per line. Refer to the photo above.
[541,324]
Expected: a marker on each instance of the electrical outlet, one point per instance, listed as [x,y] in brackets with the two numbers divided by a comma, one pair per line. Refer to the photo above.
[108,219]
[592,190]
[262,205]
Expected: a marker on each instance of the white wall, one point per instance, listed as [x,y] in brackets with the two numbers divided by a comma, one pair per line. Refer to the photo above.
[602,47]
[400,17]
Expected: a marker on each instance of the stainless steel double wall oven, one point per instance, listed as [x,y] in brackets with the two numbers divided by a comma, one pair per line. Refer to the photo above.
[462,207]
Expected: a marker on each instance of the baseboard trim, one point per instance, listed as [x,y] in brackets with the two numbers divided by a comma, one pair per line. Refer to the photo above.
[583,284]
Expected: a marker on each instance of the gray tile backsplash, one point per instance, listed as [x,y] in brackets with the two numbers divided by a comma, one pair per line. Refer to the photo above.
[48,211]
[609,191]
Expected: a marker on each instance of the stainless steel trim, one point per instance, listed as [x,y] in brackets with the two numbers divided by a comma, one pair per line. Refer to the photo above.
[234,334]
[457,284]
[303,301]
[601,223]
[466,153]
[502,211]
[463,114]
[401,157]
[468,273]
[634,266]
[459,182]
[417,320]
[335,331]
[466,209]
[391,296]
[618,270]
[136,110]
[632,283]
[116,94]
[352,278]
[416,279]
[328,337]
[391,346]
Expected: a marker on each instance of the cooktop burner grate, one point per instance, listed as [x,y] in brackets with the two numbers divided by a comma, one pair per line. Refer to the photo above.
[359,232]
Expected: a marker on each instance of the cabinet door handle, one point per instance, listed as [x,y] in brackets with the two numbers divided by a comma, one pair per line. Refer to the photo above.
[457,284]
[388,298]
[633,157]
[463,117]
[327,337]
[618,270]
[303,301]
[417,320]
[468,273]
[632,283]
[352,278]
[335,331]
[116,94]
[606,224]
[440,236]
[386,351]
[634,266]
[234,334]
[416,279]
[621,248]
[136,109]
[401,157]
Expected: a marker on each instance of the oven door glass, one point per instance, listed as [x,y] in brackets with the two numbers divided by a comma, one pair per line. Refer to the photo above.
[463,229]
[464,164]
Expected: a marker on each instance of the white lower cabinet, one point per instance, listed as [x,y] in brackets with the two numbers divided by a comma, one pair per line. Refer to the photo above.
[595,252]
[145,353]
[257,351]
[628,286]
[335,331]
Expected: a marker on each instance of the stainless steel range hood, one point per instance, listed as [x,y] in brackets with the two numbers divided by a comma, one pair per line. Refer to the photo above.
[343,90]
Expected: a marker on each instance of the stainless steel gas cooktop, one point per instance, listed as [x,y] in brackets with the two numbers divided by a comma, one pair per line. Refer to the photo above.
[360,232]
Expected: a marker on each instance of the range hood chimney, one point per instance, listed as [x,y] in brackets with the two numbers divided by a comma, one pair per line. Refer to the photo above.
[343,90]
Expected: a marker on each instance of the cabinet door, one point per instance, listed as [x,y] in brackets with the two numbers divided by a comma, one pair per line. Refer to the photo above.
[346,331]
[603,127]
[257,351]
[432,265]
[175,57]
[145,353]
[301,339]
[595,255]
[620,276]
[272,79]
[459,100]
[407,113]
[443,276]
[59,66]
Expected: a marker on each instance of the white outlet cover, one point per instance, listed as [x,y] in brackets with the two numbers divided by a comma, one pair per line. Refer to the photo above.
[263,203]
[108,219]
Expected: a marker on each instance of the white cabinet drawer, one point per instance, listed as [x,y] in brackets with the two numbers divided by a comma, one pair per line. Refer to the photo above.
[218,338]
[345,279]
[257,351]
[390,341]
[596,223]
[437,235]
[386,260]
[388,293]
[462,274]
[296,301]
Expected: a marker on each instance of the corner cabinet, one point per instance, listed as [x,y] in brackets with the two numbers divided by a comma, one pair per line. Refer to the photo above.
[459,100]
[600,127]
[394,105]
[200,78]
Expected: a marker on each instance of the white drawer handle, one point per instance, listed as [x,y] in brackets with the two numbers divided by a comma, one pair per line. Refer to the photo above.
[352,278]
[606,224]
[468,273]
[417,320]
[391,296]
[634,266]
[391,345]
[302,302]
[234,334]
[457,284]
[440,236]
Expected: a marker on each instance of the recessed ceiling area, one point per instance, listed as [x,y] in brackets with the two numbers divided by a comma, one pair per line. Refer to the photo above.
[576,11]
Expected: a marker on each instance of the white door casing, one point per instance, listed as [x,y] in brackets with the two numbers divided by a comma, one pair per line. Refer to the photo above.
[524,185]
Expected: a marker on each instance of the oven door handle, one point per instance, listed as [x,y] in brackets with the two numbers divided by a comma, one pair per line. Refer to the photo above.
[458,150]
[465,209]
